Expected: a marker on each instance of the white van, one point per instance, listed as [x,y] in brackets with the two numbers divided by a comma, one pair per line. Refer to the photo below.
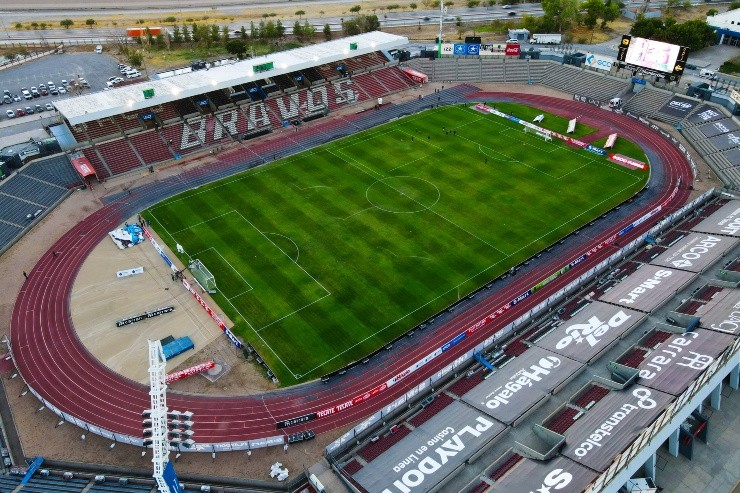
[99,49]
[616,103]
[708,74]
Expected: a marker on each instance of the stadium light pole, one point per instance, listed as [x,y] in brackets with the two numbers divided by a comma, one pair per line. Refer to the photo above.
[441,18]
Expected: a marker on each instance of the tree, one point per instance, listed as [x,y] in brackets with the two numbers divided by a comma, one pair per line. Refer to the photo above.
[195,33]
[253,33]
[308,29]
[170,19]
[136,58]
[297,30]
[413,6]
[270,31]
[327,32]
[560,13]
[66,23]
[237,47]
[671,4]
[186,34]
[593,10]
[176,34]
[35,25]
[90,23]
[355,9]
[42,25]
[611,13]
[734,5]
[712,12]
[224,33]
[159,41]
[300,13]
[243,34]
[215,33]
[280,29]
[473,3]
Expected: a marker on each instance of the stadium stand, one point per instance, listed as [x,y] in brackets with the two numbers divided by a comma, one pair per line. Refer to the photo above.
[510,462]
[689,307]
[733,265]
[707,292]
[101,169]
[440,402]
[14,210]
[374,449]
[563,420]
[116,487]
[166,112]
[55,170]
[645,256]
[590,396]
[466,384]
[654,339]
[102,129]
[119,156]
[151,147]
[647,102]
[633,358]
[34,190]
[129,122]
[352,466]
[9,483]
[572,79]
[219,99]
[41,484]
[570,309]
[672,237]
[185,107]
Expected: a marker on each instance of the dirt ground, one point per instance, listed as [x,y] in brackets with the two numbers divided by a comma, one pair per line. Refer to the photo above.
[37,429]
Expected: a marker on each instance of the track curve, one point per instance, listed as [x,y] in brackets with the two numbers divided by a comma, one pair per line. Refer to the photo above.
[53,361]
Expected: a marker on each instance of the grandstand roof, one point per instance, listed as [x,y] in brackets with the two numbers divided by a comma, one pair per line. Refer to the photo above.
[103,104]
[695,252]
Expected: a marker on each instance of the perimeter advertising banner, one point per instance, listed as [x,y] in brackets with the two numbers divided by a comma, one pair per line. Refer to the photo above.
[600,62]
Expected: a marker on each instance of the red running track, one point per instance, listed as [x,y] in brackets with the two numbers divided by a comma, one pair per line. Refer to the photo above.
[56,365]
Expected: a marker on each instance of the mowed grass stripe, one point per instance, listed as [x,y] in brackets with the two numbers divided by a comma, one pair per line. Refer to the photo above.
[393,229]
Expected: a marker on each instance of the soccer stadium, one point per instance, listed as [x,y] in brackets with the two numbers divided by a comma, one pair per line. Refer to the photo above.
[458,274]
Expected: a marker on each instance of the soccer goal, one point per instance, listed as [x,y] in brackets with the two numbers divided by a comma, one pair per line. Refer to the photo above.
[202,275]
[544,135]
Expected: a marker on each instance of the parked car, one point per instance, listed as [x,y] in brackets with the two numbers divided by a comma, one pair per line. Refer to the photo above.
[20,112]
[83,82]
[51,85]
[10,114]
[134,74]
[7,100]
[29,110]
[39,108]
[43,91]
[53,91]
[26,93]
[16,98]
[35,92]
[65,83]
[49,107]
[62,90]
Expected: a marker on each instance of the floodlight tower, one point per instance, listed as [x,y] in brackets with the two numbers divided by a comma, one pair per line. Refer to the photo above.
[441,18]
[158,395]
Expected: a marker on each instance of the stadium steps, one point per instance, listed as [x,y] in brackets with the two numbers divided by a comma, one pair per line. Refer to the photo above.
[103,129]
[55,169]
[562,420]
[515,72]
[368,85]
[469,70]
[633,358]
[707,293]
[33,189]
[647,102]
[492,70]
[129,122]
[166,113]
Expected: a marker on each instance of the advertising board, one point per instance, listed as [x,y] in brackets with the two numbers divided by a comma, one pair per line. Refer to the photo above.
[654,56]
[599,62]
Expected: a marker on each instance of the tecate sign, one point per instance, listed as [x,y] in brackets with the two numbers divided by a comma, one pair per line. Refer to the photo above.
[600,62]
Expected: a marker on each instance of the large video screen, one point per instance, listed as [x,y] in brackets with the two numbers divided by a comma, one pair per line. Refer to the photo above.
[655,56]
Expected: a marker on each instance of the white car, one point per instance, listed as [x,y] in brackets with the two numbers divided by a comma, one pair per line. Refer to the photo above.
[49,107]
[10,114]
[133,74]
[62,90]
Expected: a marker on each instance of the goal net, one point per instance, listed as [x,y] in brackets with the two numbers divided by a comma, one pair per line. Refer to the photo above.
[544,135]
[202,275]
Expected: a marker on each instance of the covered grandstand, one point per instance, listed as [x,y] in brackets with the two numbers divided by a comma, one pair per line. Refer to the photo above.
[143,124]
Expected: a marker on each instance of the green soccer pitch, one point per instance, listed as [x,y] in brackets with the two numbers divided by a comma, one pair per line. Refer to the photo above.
[324,257]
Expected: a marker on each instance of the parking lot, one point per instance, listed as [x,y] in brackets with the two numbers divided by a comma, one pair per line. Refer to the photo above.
[95,68]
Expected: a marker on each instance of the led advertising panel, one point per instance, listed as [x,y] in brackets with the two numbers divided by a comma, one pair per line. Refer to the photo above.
[652,56]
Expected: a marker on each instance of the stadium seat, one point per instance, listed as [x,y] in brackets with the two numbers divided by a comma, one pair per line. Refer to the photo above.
[119,156]
[151,147]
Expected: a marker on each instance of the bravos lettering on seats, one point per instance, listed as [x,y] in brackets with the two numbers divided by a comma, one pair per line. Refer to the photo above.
[519,385]
[695,252]
[647,288]
[584,336]
[678,361]
[725,221]
[556,475]
[722,314]
[612,424]
[257,115]
[430,452]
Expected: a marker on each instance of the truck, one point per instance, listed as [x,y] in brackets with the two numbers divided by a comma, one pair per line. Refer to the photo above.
[546,39]
[137,32]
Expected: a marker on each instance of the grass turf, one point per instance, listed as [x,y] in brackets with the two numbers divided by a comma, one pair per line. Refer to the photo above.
[323,257]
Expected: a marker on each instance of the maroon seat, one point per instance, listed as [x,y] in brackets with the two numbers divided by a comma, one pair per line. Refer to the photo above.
[151,147]
[440,402]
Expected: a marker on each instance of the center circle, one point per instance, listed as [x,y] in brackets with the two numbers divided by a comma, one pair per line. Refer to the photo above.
[402,194]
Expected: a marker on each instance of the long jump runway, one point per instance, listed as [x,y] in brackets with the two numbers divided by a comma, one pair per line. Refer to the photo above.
[53,361]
